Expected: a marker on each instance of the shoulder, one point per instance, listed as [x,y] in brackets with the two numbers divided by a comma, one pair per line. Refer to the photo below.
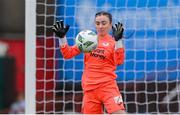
[111,39]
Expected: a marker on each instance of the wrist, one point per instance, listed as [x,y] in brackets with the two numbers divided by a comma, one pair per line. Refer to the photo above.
[62,41]
[63,45]
[119,44]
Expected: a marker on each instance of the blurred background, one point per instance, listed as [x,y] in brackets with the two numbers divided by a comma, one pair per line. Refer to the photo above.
[150,74]
[12,55]
[148,79]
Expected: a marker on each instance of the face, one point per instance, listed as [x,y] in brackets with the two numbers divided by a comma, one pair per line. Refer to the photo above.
[103,25]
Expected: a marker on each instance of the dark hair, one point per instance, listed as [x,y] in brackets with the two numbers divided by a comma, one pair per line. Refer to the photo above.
[104,13]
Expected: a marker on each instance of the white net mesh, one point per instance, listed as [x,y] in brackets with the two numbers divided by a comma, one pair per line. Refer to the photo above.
[149,78]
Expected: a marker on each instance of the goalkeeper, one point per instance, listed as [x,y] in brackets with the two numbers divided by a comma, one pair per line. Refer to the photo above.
[99,78]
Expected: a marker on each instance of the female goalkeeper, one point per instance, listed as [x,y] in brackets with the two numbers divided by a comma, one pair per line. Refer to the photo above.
[99,78]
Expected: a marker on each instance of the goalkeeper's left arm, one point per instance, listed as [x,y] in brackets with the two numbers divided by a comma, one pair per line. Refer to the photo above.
[119,47]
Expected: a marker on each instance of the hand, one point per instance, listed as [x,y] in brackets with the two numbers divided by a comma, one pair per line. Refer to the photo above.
[118,31]
[59,29]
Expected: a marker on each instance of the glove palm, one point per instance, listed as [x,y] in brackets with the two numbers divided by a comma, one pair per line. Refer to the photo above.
[117,31]
[59,29]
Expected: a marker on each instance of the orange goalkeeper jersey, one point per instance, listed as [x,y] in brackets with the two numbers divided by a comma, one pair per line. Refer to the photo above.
[100,64]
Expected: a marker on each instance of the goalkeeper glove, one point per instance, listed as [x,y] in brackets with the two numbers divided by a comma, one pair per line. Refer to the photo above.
[117,31]
[59,29]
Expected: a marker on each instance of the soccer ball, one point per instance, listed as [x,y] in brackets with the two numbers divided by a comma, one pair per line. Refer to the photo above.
[86,40]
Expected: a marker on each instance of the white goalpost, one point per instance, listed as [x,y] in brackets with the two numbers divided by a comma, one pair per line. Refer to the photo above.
[149,79]
[30,56]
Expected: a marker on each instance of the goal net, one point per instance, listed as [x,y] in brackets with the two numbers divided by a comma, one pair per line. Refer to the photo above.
[149,79]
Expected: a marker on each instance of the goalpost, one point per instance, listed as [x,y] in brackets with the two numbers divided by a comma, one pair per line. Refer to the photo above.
[149,79]
[30,56]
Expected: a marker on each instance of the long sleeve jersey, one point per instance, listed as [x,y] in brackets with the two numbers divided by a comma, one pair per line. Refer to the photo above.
[100,64]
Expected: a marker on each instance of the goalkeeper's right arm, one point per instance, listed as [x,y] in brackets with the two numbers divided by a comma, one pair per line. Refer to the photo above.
[69,51]
[60,31]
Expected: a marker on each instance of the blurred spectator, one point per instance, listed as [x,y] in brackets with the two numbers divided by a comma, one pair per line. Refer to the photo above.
[3,48]
[19,106]
[16,48]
